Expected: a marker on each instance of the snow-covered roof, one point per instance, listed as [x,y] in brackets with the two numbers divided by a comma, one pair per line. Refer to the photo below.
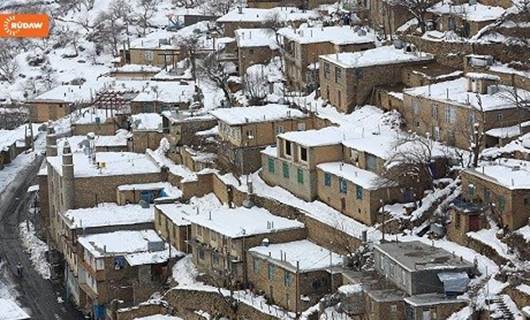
[304,253]
[133,68]
[261,37]
[67,94]
[364,178]
[508,132]
[77,142]
[9,310]
[455,92]
[108,214]
[10,137]
[418,256]
[470,12]
[270,112]
[167,188]
[283,14]
[315,138]
[92,115]
[160,39]
[377,56]
[338,35]
[146,121]
[116,163]
[166,92]
[509,173]
[134,246]
[178,213]
[243,222]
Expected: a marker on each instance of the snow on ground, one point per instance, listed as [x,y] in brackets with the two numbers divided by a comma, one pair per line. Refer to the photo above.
[36,249]
[11,171]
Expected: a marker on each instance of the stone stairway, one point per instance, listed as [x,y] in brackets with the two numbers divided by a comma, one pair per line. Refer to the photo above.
[499,309]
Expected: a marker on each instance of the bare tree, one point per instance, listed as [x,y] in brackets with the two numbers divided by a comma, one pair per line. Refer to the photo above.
[190,45]
[147,11]
[219,8]
[418,9]
[8,63]
[121,9]
[475,131]
[188,3]
[108,28]
[213,70]
[255,85]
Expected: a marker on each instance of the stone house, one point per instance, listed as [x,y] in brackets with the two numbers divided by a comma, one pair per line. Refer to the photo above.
[292,164]
[129,271]
[173,225]
[155,49]
[157,192]
[348,79]
[255,46]
[58,102]
[135,72]
[245,131]
[465,216]
[502,188]
[302,47]
[294,275]
[187,128]
[417,268]
[220,240]
[162,96]
[146,131]
[13,142]
[447,111]
[252,18]
[384,16]
[76,180]
[465,19]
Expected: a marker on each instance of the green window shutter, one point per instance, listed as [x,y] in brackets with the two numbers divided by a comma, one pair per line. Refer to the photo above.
[501,203]
[271,165]
[285,170]
[327,179]
[359,192]
[300,176]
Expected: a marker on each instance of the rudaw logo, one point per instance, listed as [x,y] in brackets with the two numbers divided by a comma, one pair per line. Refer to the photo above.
[24,25]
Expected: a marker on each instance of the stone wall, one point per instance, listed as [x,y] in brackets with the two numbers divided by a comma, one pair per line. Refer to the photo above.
[142,310]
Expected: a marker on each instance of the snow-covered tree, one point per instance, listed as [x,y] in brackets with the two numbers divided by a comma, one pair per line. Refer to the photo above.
[147,10]
[418,8]
[8,64]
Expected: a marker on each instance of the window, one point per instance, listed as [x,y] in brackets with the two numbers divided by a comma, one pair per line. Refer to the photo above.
[338,74]
[215,259]
[499,116]
[148,55]
[316,284]
[300,126]
[450,115]
[300,176]
[415,106]
[303,154]
[487,195]
[526,202]
[271,165]
[457,221]
[279,129]
[285,170]
[393,308]
[270,271]
[201,253]
[287,148]
[326,71]
[251,51]
[287,278]
[501,202]
[434,111]
[327,179]
[359,192]
[343,185]
[472,118]
[255,265]
[371,162]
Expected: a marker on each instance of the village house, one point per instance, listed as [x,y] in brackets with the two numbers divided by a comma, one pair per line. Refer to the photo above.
[147,193]
[255,46]
[294,275]
[302,4]
[465,216]
[173,225]
[302,47]
[59,102]
[292,163]
[245,131]
[348,79]
[465,19]
[384,15]
[128,271]
[79,180]
[252,18]
[146,129]
[163,95]
[91,142]
[155,49]
[221,237]
[106,217]
[448,111]
[135,72]
[187,128]
[502,188]
[13,142]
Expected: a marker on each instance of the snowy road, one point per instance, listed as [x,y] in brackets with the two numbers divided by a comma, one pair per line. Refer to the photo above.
[34,293]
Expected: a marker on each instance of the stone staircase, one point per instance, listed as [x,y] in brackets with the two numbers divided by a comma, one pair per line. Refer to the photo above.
[499,309]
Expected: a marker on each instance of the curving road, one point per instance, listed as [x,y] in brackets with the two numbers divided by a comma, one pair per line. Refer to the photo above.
[35,293]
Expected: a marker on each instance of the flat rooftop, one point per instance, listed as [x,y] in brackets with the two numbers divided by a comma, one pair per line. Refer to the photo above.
[116,163]
[134,246]
[243,115]
[243,222]
[261,37]
[377,56]
[79,143]
[470,12]
[167,92]
[178,213]
[314,138]
[167,189]
[262,15]
[338,35]
[304,253]
[432,299]
[108,214]
[416,255]
[509,173]
[363,178]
